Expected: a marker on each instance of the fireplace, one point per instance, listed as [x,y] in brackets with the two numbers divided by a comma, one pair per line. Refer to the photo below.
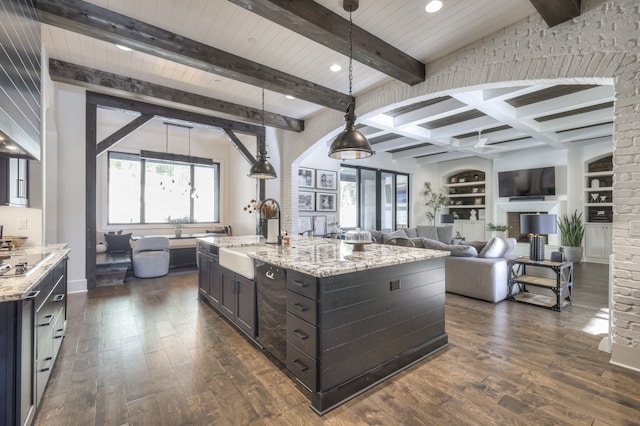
[509,214]
[513,222]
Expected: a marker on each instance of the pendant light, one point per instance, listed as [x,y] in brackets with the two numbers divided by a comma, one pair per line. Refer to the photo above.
[262,169]
[350,144]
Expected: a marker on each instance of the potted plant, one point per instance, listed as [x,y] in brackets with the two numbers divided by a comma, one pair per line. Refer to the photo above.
[435,200]
[572,233]
[178,223]
[494,229]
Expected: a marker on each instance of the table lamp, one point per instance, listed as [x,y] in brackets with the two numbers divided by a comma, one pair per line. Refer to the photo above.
[534,225]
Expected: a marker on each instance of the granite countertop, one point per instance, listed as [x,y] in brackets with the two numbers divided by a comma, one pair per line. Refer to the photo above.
[324,257]
[18,287]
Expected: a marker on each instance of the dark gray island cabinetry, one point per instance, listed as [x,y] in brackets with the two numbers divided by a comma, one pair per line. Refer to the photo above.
[352,319]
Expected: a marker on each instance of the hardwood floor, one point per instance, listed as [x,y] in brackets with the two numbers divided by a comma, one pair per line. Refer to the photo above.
[148,352]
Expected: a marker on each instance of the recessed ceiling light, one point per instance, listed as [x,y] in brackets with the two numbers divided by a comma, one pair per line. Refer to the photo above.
[290,97]
[125,48]
[1,138]
[433,6]
[335,68]
[12,147]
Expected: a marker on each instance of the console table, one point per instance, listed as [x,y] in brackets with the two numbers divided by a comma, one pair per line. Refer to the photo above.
[561,285]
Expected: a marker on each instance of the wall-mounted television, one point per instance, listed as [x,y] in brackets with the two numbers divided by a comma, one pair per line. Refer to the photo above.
[527,182]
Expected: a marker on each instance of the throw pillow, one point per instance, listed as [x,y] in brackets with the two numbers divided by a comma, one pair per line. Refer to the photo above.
[511,244]
[398,233]
[463,251]
[411,232]
[427,231]
[478,245]
[434,244]
[445,233]
[495,248]
[377,236]
[118,242]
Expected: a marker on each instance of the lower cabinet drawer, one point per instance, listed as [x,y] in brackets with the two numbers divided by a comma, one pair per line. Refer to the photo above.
[301,307]
[302,334]
[58,334]
[302,366]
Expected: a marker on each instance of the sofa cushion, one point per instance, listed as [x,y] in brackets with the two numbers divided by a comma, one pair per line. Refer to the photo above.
[445,233]
[478,245]
[463,251]
[411,232]
[418,242]
[118,242]
[427,231]
[398,233]
[434,244]
[495,248]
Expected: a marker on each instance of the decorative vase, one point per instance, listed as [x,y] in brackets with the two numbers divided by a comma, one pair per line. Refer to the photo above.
[572,254]
[178,232]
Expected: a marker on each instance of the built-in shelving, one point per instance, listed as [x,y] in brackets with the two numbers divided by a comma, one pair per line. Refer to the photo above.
[598,190]
[466,192]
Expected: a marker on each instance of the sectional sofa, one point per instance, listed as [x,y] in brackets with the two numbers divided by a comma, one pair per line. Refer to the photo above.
[474,269]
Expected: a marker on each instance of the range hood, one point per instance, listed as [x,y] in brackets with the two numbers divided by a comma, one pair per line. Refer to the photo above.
[9,147]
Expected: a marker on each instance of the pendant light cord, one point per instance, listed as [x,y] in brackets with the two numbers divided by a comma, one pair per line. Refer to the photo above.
[350,56]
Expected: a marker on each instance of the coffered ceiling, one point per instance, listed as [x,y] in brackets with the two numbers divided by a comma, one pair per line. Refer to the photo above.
[435,130]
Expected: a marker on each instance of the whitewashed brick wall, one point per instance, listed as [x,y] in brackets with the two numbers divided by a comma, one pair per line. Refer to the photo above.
[601,46]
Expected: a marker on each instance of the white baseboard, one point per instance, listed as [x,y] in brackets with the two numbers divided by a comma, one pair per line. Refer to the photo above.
[77,286]
[625,356]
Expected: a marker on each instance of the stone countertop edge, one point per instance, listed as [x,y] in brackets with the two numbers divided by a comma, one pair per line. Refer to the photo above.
[17,288]
[325,257]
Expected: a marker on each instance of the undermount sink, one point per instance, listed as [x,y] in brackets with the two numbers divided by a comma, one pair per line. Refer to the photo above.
[236,260]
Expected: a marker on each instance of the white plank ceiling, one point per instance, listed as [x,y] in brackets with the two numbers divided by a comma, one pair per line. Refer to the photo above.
[401,23]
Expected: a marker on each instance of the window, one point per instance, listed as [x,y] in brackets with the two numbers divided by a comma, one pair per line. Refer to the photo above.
[150,191]
[373,199]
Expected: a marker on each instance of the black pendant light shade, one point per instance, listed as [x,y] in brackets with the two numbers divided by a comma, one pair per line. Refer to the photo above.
[350,144]
[262,168]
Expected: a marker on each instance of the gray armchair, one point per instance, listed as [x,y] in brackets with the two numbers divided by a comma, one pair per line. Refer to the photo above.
[151,257]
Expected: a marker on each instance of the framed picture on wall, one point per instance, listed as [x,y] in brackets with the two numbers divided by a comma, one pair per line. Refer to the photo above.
[326,179]
[305,177]
[306,201]
[325,202]
[304,224]
[320,225]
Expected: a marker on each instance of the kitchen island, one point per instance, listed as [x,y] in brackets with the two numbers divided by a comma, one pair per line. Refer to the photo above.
[33,289]
[347,320]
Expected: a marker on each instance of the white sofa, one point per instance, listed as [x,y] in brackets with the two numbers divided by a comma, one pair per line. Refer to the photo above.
[484,276]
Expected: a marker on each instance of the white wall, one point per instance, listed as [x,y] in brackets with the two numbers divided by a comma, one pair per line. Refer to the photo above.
[11,216]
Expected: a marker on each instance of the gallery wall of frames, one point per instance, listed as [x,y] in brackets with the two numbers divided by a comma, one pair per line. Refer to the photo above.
[317,201]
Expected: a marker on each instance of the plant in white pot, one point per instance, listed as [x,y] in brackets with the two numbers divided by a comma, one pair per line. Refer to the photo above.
[572,233]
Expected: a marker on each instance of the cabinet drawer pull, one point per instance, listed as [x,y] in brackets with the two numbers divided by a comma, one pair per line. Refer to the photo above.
[300,334]
[49,321]
[301,307]
[59,298]
[57,337]
[300,284]
[300,365]
[45,369]
[33,294]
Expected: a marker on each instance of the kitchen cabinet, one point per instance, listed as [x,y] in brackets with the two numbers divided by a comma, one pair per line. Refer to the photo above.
[598,239]
[14,174]
[32,334]
[209,276]
[238,300]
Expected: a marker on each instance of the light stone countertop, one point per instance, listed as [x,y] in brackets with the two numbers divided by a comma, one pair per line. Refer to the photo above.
[324,257]
[18,287]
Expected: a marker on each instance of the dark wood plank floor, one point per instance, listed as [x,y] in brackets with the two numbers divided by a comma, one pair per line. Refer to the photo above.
[148,352]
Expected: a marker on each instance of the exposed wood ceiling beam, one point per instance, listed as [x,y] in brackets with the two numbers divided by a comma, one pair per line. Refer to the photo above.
[329,29]
[66,72]
[163,111]
[93,21]
[235,140]
[555,12]
[121,133]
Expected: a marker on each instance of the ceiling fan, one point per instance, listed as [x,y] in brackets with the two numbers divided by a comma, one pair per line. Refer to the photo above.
[482,143]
